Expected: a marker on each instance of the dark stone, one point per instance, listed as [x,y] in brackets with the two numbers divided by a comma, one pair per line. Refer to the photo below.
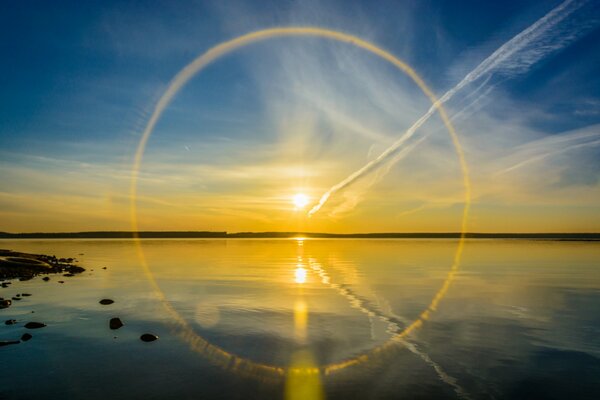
[5,303]
[10,321]
[148,337]
[61,281]
[69,275]
[25,294]
[46,278]
[7,342]
[115,323]
[103,267]
[16,298]
[34,325]
[106,302]
[24,266]
[26,337]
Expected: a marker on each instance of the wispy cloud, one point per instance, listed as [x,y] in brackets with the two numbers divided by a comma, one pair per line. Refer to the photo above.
[549,34]
[540,149]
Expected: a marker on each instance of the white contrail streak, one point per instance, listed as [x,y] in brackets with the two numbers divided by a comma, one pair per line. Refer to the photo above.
[512,58]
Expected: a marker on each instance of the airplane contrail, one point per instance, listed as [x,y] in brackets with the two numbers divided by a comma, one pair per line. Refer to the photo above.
[512,58]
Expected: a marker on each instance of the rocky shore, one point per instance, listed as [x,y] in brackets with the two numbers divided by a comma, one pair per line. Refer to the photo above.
[25,266]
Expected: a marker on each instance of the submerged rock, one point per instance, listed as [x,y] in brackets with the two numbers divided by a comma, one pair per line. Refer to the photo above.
[7,342]
[34,325]
[26,337]
[5,303]
[46,279]
[115,323]
[16,298]
[10,322]
[148,337]
[25,294]
[106,302]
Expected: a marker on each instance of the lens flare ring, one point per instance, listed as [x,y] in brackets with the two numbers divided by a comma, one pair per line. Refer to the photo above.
[196,342]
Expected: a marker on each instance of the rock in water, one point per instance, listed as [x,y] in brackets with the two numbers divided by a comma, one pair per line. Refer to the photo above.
[148,337]
[7,342]
[106,302]
[10,321]
[45,279]
[115,323]
[34,325]
[26,337]
[25,294]
[5,303]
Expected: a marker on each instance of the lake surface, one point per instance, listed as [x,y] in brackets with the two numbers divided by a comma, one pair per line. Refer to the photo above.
[246,319]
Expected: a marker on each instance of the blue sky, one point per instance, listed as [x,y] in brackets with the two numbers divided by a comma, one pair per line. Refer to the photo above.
[79,82]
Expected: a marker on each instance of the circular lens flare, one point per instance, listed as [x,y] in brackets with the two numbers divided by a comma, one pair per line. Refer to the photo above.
[197,343]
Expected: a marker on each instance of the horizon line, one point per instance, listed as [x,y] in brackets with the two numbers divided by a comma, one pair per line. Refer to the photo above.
[294,234]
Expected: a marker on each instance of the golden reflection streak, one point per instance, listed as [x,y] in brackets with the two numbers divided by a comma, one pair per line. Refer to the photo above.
[197,343]
[300,321]
[303,378]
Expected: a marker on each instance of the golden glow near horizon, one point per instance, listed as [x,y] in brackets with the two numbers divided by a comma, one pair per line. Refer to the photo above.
[272,213]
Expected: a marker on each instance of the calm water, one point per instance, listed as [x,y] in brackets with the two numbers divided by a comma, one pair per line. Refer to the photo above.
[520,320]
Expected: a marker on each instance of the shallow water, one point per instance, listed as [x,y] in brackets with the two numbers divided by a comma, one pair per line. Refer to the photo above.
[520,320]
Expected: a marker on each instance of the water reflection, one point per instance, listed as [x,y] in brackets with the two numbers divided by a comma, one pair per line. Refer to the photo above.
[300,275]
[519,317]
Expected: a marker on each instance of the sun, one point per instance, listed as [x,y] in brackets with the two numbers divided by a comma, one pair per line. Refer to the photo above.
[300,200]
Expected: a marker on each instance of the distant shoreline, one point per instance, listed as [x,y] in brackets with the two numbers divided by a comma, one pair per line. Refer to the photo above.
[289,235]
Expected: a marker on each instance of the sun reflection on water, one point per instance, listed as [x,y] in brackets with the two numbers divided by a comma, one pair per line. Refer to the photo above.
[300,275]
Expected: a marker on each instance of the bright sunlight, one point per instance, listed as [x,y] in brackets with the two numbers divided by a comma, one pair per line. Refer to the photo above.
[300,200]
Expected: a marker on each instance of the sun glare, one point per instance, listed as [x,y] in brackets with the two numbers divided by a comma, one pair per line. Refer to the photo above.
[300,200]
[300,275]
